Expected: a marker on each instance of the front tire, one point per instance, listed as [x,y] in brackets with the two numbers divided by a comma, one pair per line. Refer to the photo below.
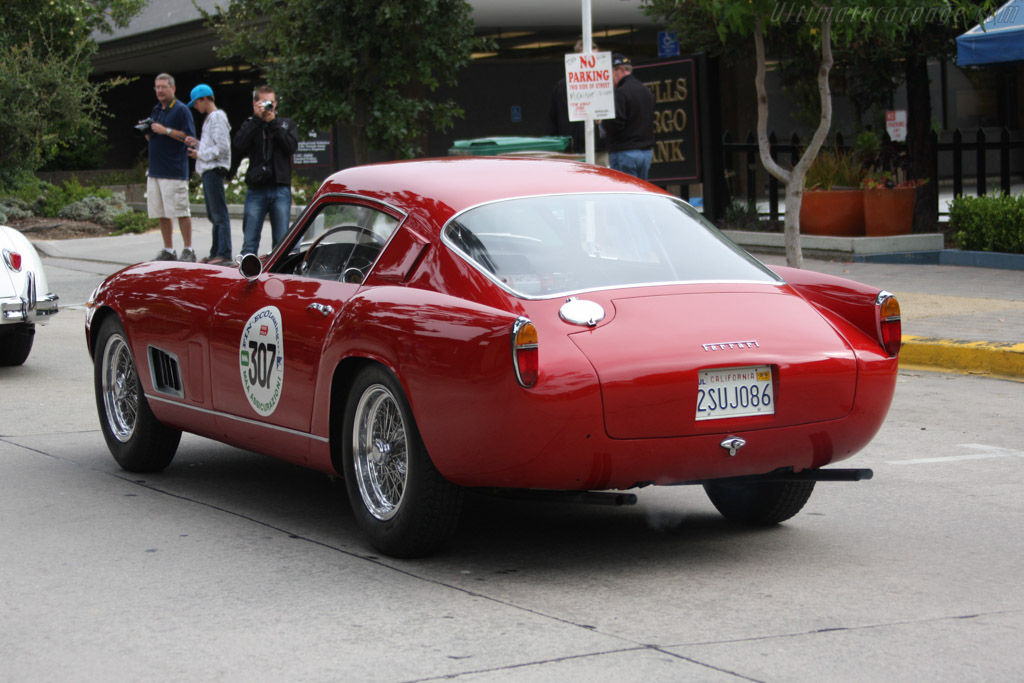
[16,344]
[136,439]
[758,503]
[400,500]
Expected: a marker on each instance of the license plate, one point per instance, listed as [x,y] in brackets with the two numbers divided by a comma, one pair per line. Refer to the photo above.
[735,392]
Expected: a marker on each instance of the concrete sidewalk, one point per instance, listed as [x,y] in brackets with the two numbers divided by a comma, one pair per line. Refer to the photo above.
[955,318]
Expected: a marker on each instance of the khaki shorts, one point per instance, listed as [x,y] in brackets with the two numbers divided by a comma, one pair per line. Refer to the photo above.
[167,198]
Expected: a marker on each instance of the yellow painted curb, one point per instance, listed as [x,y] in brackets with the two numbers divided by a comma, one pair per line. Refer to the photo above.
[957,355]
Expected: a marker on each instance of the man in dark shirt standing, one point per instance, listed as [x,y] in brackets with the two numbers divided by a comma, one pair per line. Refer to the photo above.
[269,141]
[167,184]
[631,132]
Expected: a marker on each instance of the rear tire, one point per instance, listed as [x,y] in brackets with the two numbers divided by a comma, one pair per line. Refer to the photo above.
[136,439]
[16,344]
[758,503]
[400,500]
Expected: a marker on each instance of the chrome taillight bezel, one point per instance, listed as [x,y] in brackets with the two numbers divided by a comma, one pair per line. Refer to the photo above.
[526,377]
[889,326]
[13,260]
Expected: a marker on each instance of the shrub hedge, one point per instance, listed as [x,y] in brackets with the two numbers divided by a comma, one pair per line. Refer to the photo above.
[29,196]
[988,223]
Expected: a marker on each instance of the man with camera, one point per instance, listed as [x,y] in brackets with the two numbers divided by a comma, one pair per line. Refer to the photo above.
[167,186]
[212,153]
[269,141]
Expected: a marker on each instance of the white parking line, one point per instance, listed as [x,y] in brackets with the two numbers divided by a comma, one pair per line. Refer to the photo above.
[984,452]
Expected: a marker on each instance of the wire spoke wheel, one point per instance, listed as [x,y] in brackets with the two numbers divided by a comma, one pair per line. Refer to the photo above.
[138,441]
[120,388]
[400,501]
[381,452]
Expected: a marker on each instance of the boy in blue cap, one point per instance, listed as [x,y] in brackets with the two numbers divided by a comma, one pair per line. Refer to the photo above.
[212,152]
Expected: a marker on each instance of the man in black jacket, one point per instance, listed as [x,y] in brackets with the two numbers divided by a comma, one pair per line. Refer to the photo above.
[270,142]
[631,132]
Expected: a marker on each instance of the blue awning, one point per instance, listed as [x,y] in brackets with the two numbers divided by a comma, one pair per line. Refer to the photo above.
[999,39]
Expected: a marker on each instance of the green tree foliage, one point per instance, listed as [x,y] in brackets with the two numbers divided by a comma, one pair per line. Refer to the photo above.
[46,97]
[369,64]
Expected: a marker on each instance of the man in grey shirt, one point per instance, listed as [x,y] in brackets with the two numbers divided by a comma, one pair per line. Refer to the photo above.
[212,152]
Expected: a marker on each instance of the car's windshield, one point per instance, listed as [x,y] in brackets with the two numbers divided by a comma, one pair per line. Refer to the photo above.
[558,244]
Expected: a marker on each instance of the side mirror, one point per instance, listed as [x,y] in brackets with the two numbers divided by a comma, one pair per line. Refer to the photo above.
[250,266]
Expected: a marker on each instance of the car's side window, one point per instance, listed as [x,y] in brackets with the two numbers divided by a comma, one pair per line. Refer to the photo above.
[339,242]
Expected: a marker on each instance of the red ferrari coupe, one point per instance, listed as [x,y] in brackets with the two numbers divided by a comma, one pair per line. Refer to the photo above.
[500,323]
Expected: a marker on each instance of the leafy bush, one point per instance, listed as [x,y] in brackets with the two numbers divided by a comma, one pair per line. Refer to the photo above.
[988,223]
[134,222]
[98,210]
[12,208]
[56,197]
[71,200]
[24,187]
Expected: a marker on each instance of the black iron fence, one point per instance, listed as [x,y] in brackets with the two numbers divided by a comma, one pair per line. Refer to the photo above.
[957,163]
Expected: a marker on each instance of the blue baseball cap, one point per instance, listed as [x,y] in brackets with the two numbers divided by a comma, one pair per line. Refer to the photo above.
[200,91]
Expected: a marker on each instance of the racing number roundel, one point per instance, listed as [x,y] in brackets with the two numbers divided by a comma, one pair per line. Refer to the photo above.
[261,359]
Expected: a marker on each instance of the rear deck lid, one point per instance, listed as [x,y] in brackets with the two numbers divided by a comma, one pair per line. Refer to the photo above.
[659,356]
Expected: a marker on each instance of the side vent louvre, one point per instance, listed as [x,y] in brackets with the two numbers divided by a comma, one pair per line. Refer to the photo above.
[166,372]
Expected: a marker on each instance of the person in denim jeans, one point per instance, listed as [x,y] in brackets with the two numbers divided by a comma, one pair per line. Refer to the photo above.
[212,153]
[631,132]
[269,141]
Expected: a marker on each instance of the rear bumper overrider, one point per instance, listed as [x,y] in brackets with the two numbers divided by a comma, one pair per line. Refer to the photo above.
[23,310]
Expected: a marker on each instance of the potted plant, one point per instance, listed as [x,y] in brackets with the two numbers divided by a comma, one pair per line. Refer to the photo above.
[888,205]
[833,202]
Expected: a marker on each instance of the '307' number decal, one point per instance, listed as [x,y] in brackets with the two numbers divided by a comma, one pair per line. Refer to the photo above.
[261,358]
[261,362]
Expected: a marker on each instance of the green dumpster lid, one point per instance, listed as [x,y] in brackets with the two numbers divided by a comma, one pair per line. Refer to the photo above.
[499,144]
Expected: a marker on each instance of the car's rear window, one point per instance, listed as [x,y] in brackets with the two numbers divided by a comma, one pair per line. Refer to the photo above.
[559,244]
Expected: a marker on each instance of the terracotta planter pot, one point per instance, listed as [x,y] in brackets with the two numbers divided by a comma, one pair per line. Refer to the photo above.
[888,212]
[837,213]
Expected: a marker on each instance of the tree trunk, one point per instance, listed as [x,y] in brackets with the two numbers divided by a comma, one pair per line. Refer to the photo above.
[921,144]
[360,148]
[360,142]
[794,179]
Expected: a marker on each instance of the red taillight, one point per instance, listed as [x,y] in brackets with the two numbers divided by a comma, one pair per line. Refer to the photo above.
[525,349]
[890,329]
[13,260]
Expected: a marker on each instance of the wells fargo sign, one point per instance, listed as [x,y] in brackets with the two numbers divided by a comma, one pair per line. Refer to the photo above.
[676,142]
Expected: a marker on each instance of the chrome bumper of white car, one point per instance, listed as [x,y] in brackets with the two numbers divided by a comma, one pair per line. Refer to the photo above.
[28,308]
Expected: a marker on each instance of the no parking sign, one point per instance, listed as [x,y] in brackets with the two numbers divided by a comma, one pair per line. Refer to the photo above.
[896,124]
[589,86]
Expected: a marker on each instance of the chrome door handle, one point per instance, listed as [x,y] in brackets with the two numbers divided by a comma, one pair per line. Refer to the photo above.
[322,308]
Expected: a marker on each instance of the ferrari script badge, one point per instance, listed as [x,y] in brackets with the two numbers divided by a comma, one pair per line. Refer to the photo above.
[724,346]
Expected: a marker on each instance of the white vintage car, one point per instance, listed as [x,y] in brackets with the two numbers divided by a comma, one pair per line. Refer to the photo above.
[25,297]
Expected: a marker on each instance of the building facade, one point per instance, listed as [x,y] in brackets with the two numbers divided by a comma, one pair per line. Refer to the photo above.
[507,92]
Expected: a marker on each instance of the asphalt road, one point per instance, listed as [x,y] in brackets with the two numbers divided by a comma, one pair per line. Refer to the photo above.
[230,566]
